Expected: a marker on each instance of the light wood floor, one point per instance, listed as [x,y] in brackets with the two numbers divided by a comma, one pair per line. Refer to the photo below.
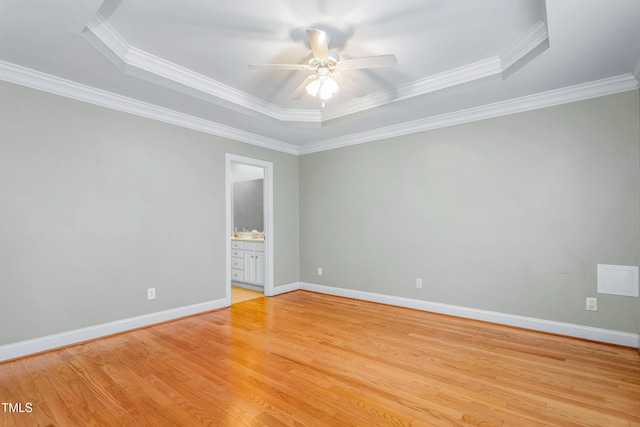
[307,359]
[239,294]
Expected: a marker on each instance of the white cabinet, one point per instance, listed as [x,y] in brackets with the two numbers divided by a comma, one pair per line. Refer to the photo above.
[237,261]
[236,275]
[249,267]
[260,268]
[247,262]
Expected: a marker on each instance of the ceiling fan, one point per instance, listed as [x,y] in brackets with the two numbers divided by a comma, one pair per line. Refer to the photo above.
[327,69]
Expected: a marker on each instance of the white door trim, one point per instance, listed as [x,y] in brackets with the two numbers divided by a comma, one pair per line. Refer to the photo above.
[268,219]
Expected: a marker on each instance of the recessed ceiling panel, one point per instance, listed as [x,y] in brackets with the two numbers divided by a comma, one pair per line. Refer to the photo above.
[219,40]
[189,60]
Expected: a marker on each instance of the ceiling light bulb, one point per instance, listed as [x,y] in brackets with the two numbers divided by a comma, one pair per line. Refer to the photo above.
[323,86]
[313,87]
[328,88]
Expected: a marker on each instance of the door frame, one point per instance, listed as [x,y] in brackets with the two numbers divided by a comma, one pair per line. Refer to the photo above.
[268,219]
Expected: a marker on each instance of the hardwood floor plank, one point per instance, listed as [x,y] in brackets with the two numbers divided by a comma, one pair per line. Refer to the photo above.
[19,380]
[239,294]
[57,407]
[8,388]
[305,359]
[200,415]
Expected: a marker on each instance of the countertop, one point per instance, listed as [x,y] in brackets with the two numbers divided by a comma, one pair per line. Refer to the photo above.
[247,236]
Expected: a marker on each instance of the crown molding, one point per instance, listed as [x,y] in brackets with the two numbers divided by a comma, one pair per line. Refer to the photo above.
[528,46]
[550,98]
[36,80]
[450,78]
[98,30]
[537,35]
[636,70]
[143,64]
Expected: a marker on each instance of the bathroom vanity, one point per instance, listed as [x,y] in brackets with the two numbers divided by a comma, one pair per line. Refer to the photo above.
[247,262]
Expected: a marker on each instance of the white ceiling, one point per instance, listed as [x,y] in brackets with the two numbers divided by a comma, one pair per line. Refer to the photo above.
[187,62]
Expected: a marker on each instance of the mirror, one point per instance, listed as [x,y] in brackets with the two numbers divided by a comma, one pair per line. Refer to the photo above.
[248,205]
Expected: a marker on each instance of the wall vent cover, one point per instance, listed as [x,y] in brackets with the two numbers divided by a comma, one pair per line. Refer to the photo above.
[618,280]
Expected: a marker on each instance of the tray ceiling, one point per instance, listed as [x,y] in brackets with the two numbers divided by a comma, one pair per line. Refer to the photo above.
[187,62]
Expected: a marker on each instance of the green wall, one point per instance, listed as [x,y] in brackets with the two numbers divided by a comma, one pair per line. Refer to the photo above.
[510,214]
[97,205]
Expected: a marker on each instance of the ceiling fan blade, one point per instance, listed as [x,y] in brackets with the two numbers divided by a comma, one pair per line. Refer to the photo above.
[301,90]
[319,43]
[349,85]
[295,67]
[368,62]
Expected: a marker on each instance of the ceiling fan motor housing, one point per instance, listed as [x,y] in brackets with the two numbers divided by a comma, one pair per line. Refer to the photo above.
[330,61]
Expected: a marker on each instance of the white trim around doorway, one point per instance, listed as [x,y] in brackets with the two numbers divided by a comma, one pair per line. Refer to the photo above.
[268,220]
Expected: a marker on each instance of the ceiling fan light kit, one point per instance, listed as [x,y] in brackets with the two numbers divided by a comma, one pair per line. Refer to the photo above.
[326,82]
[324,86]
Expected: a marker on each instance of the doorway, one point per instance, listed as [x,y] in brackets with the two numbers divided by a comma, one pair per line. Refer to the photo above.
[234,163]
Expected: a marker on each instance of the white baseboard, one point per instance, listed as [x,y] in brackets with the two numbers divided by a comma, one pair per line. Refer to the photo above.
[286,288]
[578,331]
[37,345]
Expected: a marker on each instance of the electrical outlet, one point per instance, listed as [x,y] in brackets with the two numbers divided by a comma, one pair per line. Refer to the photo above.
[592,304]
[419,283]
[151,293]
[319,271]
